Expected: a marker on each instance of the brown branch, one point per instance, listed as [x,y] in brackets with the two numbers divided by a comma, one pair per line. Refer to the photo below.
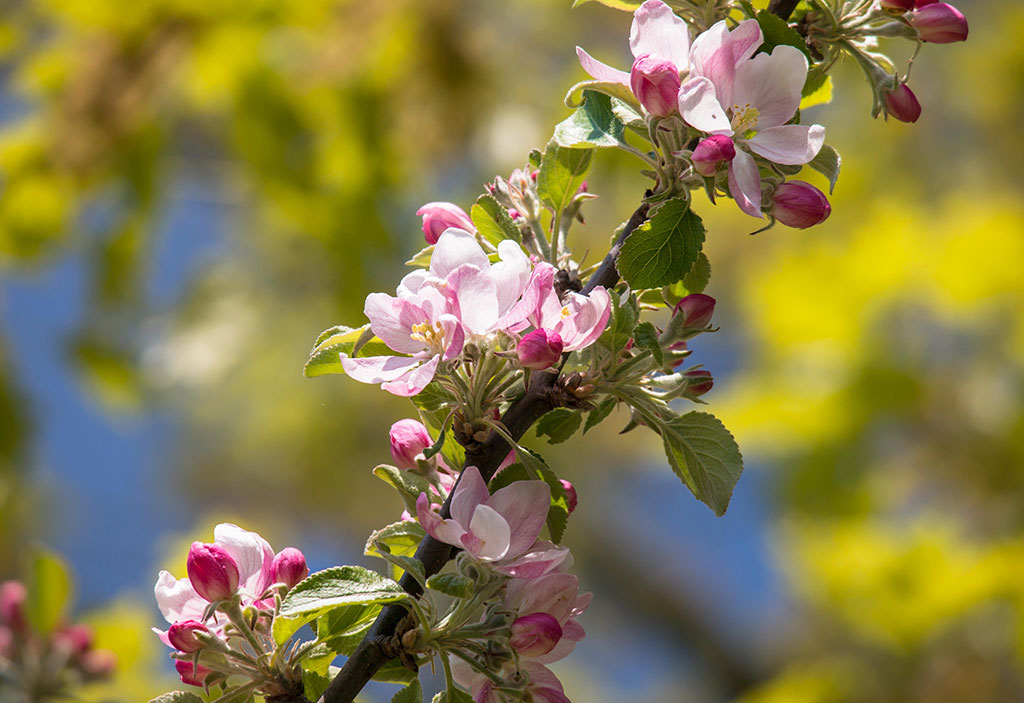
[783,8]
[542,396]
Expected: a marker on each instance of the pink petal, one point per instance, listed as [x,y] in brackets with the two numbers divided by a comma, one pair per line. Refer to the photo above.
[454,336]
[488,536]
[392,319]
[790,144]
[454,248]
[717,53]
[447,531]
[745,183]
[601,71]
[535,563]
[587,319]
[699,106]
[771,85]
[414,381]
[477,298]
[657,32]
[559,652]
[541,284]
[470,492]
[177,599]
[251,553]
[511,275]
[378,369]
[554,593]
[524,505]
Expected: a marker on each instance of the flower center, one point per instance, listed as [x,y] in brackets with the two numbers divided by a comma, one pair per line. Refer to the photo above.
[744,119]
[431,335]
[565,312]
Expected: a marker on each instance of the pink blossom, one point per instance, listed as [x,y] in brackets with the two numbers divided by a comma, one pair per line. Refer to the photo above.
[902,104]
[212,571]
[750,100]
[499,527]
[939,23]
[556,594]
[76,639]
[662,41]
[289,567]
[539,350]
[542,686]
[801,205]
[408,440]
[579,321]
[439,216]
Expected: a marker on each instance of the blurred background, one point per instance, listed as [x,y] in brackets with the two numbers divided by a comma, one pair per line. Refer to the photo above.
[190,191]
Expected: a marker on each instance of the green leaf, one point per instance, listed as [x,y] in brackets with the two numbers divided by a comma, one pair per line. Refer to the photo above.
[49,590]
[454,695]
[342,629]
[325,359]
[509,475]
[314,684]
[593,124]
[562,171]
[559,425]
[596,416]
[616,91]
[705,456]
[646,337]
[395,672]
[422,257]
[452,585]
[408,484]
[397,544]
[699,275]
[316,670]
[177,697]
[413,693]
[620,329]
[493,221]
[777,32]
[817,91]
[662,250]
[337,587]
[827,163]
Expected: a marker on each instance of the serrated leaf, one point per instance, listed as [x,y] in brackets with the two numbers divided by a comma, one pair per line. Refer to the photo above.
[620,328]
[314,684]
[394,672]
[432,398]
[561,174]
[592,124]
[316,669]
[342,629]
[177,697]
[663,249]
[454,695]
[337,587]
[413,693]
[699,275]
[325,357]
[452,585]
[704,454]
[49,590]
[777,32]
[397,544]
[493,221]
[646,337]
[559,425]
[596,416]
[827,163]
[408,485]
[817,93]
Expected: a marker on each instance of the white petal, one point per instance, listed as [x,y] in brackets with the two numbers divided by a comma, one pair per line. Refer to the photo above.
[477,298]
[454,248]
[414,381]
[469,493]
[699,106]
[490,534]
[177,599]
[392,319]
[511,274]
[745,183]
[657,32]
[378,369]
[601,71]
[251,552]
[771,85]
[790,144]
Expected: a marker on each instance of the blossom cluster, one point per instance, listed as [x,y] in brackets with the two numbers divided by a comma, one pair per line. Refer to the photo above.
[38,665]
[221,614]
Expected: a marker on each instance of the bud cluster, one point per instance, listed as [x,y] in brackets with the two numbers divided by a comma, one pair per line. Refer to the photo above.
[50,664]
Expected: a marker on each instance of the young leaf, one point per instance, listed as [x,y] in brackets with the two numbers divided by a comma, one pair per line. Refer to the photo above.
[395,672]
[177,697]
[777,32]
[827,163]
[325,359]
[699,275]
[598,414]
[705,456]
[662,250]
[341,629]
[562,171]
[408,485]
[453,695]
[493,221]
[559,425]
[620,329]
[422,257]
[452,585]
[646,337]
[413,693]
[593,124]
[397,544]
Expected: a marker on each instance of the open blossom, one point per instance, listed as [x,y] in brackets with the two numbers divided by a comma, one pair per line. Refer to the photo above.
[750,99]
[660,43]
[578,321]
[542,685]
[555,594]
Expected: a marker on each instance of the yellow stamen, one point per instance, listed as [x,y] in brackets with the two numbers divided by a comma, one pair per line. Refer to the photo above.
[744,119]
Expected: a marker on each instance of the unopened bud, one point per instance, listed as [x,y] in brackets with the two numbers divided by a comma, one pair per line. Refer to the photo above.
[6,642]
[695,311]
[98,663]
[212,571]
[535,635]
[655,83]
[408,440]
[711,153]
[290,566]
[182,636]
[75,639]
[902,104]
[570,494]
[439,216]
[939,23]
[801,205]
[698,382]
[540,349]
[194,674]
[12,605]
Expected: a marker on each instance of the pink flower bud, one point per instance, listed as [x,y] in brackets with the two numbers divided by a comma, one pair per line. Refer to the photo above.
[570,494]
[182,636]
[98,663]
[212,571]
[801,205]
[536,634]
[439,216]
[408,440]
[12,605]
[712,152]
[192,674]
[6,642]
[939,23]
[698,382]
[75,639]
[696,310]
[897,6]
[655,84]
[902,104]
[540,349]
[290,566]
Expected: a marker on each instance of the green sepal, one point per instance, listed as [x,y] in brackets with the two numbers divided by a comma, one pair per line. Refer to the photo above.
[453,585]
